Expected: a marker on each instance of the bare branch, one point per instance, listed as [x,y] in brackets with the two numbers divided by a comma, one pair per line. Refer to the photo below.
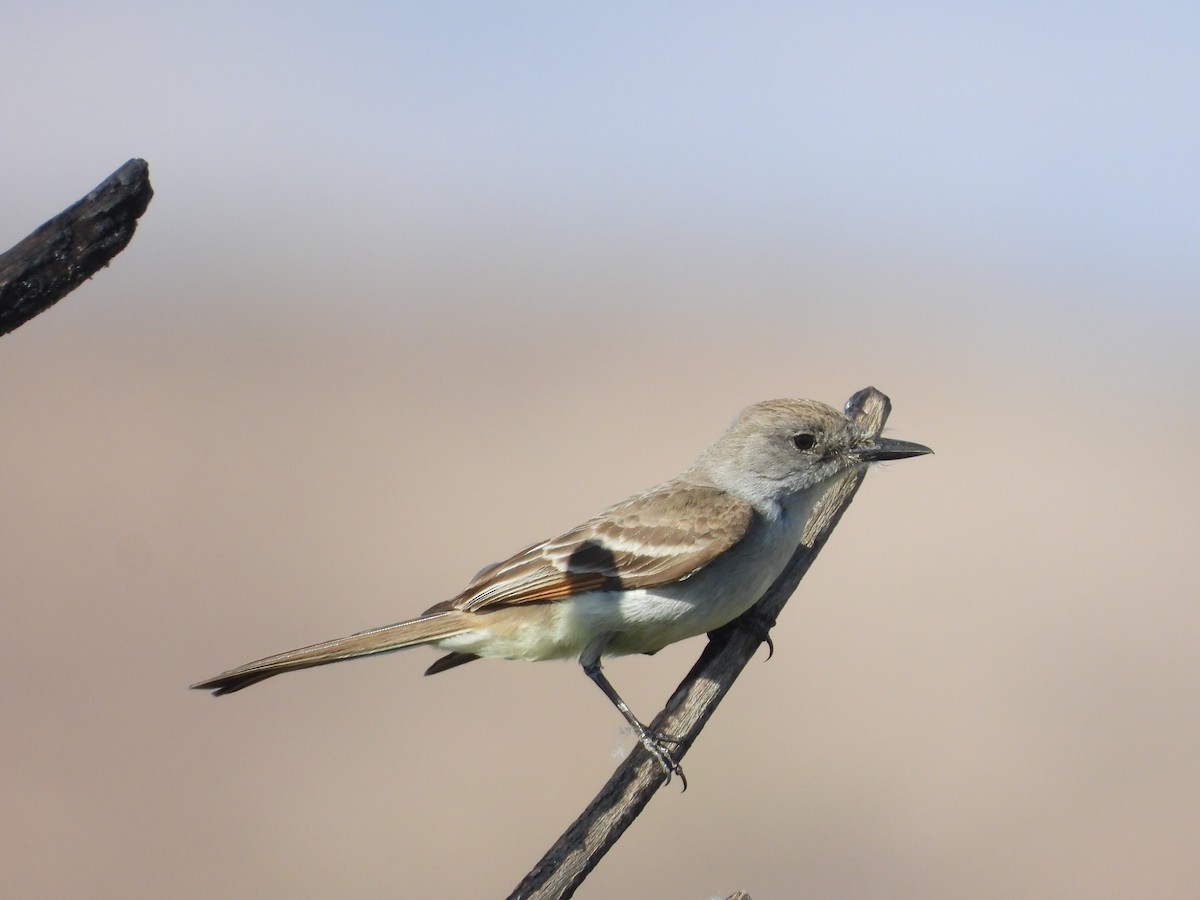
[74,245]
[621,800]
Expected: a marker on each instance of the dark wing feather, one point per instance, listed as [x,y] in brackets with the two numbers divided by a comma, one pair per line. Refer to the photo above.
[655,538]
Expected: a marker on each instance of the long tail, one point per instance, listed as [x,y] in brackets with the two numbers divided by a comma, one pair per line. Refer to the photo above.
[365,643]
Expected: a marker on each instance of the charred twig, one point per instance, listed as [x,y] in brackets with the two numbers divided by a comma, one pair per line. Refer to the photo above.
[74,245]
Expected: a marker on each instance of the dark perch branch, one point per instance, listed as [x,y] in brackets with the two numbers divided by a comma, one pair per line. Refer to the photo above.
[581,847]
[73,246]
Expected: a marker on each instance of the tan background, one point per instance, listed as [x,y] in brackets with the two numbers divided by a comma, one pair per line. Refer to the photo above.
[328,381]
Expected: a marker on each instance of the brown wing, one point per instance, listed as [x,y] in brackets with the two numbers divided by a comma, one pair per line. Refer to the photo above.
[654,538]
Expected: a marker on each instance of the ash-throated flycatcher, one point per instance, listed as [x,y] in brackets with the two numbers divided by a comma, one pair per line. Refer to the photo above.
[676,561]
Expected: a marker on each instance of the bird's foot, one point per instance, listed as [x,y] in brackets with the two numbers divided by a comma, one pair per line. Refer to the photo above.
[759,625]
[656,746]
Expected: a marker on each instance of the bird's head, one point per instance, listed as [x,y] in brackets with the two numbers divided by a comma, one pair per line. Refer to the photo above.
[781,447]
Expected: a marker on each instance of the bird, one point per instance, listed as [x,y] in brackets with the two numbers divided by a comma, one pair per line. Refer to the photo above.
[675,561]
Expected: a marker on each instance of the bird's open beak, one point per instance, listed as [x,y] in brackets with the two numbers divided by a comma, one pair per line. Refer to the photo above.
[881,449]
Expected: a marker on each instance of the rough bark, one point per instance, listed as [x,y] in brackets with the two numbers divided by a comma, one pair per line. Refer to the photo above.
[74,245]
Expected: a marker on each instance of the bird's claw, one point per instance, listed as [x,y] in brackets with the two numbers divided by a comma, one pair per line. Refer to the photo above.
[758,624]
[655,746]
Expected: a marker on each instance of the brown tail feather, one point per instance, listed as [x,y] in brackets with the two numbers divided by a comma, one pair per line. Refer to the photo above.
[365,643]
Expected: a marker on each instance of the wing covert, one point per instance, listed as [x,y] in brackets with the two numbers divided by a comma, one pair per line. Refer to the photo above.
[658,537]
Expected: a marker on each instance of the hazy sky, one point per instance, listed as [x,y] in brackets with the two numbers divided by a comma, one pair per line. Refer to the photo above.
[1021,142]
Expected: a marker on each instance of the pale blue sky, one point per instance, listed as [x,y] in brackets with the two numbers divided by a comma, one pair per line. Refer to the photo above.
[1051,146]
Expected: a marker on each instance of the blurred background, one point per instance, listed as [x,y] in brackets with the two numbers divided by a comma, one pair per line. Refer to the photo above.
[424,283]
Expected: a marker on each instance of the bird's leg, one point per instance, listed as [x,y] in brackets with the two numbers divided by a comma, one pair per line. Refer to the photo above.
[590,660]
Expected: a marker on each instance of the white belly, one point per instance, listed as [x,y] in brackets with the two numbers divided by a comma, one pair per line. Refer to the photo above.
[646,619]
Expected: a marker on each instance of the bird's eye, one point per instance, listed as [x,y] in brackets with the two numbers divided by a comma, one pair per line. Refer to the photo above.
[804,441]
